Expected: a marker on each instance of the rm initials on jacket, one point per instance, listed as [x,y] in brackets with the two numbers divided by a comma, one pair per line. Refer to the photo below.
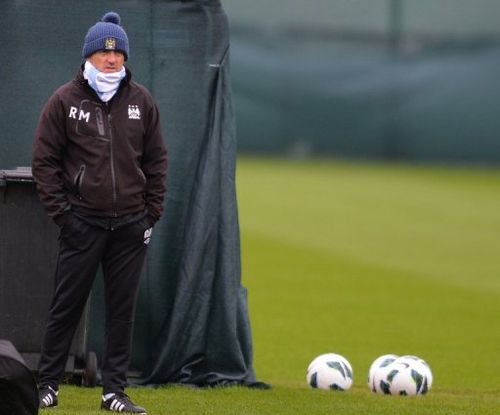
[81,116]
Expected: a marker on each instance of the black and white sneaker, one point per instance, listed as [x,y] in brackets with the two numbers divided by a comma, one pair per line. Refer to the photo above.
[47,397]
[120,402]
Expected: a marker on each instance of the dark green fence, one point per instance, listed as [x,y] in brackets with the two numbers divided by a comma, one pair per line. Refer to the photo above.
[385,79]
[359,99]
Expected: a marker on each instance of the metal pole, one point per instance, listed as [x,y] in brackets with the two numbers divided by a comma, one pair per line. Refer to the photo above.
[395,24]
[393,144]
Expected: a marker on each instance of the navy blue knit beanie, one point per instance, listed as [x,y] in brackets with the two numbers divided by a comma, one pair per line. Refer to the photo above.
[106,35]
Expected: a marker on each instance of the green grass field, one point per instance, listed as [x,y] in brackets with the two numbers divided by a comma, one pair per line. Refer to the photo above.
[362,260]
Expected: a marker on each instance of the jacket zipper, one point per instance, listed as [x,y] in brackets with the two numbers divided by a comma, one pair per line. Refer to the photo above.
[112,163]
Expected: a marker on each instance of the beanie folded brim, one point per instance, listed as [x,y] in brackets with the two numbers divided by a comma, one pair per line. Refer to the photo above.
[103,44]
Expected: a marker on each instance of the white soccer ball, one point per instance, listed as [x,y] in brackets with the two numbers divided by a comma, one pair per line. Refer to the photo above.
[406,375]
[420,365]
[376,369]
[330,371]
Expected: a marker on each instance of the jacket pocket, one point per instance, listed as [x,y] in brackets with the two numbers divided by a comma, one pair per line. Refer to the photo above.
[78,181]
[91,121]
[142,175]
[100,121]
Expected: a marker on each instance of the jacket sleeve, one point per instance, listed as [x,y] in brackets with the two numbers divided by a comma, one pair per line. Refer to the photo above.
[154,164]
[48,148]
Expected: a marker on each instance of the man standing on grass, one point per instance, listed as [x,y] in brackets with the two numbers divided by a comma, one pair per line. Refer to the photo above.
[99,162]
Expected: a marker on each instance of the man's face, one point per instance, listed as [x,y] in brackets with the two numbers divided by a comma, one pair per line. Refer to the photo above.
[107,60]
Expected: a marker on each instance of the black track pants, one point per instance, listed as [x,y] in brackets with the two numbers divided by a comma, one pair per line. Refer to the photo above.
[82,248]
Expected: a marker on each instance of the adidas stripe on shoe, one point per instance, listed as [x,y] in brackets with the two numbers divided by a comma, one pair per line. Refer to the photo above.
[47,397]
[121,403]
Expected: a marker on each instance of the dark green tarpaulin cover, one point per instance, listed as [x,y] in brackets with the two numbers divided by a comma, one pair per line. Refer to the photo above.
[192,317]
[192,321]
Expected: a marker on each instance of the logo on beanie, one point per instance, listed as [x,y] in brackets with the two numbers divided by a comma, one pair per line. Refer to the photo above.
[110,43]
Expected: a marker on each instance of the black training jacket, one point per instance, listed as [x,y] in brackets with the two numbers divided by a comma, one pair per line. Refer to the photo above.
[100,159]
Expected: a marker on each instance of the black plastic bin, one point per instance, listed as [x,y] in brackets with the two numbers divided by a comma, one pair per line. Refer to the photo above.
[28,255]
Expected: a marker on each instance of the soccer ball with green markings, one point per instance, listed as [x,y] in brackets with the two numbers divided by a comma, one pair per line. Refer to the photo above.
[330,371]
[377,368]
[404,375]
